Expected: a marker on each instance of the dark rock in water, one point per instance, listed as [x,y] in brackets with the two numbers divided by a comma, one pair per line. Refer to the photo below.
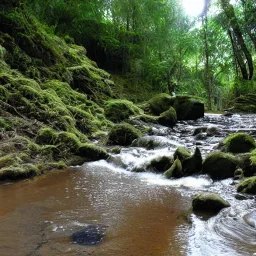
[192,164]
[168,118]
[209,202]
[90,235]
[247,186]
[175,171]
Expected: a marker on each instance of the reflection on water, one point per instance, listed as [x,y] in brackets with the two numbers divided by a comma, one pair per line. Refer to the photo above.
[144,213]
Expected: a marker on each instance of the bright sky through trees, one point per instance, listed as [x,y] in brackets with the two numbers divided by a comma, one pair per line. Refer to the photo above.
[193,7]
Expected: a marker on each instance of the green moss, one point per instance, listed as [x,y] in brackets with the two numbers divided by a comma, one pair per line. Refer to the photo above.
[146,118]
[238,143]
[175,171]
[181,153]
[168,117]
[119,110]
[92,152]
[68,140]
[160,103]
[247,186]
[5,124]
[46,135]
[220,165]
[7,160]
[17,173]
[123,134]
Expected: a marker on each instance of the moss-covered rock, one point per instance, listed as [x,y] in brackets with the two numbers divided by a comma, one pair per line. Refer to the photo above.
[245,103]
[120,110]
[123,134]
[237,143]
[188,108]
[209,202]
[175,171]
[160,164]
[192,164]
[91,152]
[160,103]
[219,165]
[181,153]
[168,118]
[247,186]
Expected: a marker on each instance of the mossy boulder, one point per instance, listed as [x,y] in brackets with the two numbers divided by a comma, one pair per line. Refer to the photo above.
[168,118]
[160,164]
[237,143]
[247,186]
[175,171]
[192,164]
[91,152]
[123,134]
[208,202]
[219,165]
[120,110]
[245,103]
[181,153]
[160,103]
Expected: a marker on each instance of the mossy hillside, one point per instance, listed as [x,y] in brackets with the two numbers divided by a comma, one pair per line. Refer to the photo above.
[34,50]
[238,143]
[120,110]
[49,99]
[245,103]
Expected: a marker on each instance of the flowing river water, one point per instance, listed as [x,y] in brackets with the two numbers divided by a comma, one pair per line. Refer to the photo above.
[142,213]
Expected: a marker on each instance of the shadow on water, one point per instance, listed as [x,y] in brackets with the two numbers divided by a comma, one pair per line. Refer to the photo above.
[139,213]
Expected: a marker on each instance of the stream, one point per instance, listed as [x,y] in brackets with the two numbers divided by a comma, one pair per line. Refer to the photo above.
[142,213]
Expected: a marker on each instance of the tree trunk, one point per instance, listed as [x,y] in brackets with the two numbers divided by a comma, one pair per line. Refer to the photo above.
[241,52]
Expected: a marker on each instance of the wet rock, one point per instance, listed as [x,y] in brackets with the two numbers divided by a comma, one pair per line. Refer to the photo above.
[209,202]
[160,164]
[199,130]
[239,174]
[90,235]
[123,134]
[250,219]
[92,152]
[181,153]
[201,136]
[175,171]
[151,142]
[193,164]
[212,131]
[247,186]
[188,108]
[168,118]
[248,163]
[237,143]
[219,165]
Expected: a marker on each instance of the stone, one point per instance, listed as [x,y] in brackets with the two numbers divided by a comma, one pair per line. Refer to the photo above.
[219,165]
[209,202]
[175,171]
[90,235]
[247,186]
[168,118]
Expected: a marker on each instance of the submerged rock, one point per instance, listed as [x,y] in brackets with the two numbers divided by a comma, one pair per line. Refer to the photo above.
[219,165]
[247,186]
[123,134]
[250,219]
[90,235]
[238,143]
[209,202]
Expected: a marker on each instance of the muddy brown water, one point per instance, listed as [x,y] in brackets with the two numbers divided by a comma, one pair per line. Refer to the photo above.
[144,212]
[38,216]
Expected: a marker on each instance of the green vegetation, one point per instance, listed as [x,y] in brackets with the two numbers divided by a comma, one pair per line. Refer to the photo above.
[175,171]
